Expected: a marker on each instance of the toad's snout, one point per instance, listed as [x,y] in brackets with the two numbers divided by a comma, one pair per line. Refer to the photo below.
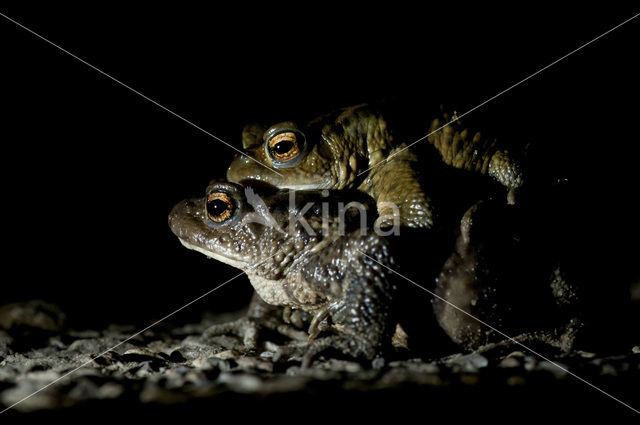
[184,212]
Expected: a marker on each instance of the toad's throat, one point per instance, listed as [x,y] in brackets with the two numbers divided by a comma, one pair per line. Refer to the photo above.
[242,265]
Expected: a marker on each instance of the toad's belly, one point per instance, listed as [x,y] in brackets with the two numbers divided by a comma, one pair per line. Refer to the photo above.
[293,293]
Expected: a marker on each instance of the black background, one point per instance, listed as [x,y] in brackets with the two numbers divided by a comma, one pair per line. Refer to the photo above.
[91,170]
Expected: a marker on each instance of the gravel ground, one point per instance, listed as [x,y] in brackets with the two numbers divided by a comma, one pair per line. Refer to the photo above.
[168,367]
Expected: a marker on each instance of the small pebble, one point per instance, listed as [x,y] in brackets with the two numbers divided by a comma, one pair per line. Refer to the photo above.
[509,362]
[378,363]
[559,370]
[175,369]
[225,355]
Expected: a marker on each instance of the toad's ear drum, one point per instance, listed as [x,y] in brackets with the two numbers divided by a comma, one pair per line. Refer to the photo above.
[252,135]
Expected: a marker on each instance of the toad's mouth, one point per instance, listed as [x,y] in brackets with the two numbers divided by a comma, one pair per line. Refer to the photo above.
[262,182]
[242,265]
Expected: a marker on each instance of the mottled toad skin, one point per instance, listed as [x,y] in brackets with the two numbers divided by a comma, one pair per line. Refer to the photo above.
[337,148]
[467,150]
[330,275]
[498,274]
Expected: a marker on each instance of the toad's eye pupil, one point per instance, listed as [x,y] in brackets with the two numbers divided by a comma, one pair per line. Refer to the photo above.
[217,207]
[220,207]
[283,147]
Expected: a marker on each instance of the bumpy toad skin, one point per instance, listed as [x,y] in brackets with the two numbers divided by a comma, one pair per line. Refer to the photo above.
[496,274]
[464,150]
[336,149]
[340,146]
[325,274]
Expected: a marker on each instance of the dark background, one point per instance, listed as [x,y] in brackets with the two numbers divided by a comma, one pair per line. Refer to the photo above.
[91,170]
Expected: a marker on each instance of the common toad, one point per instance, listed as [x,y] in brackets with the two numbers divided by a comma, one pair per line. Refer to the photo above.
[356,148]
[300,252]
[338,151]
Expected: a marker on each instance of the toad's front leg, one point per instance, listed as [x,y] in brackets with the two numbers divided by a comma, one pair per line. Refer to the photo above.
[260,316]
[359,317]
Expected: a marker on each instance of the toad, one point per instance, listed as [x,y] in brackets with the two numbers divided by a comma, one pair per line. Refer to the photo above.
[302,253]
[355,148]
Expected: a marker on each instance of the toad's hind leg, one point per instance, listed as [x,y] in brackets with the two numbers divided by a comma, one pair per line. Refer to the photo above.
[463,149]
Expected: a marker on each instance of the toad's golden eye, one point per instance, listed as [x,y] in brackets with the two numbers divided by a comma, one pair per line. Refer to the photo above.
[220,206]
[284,146]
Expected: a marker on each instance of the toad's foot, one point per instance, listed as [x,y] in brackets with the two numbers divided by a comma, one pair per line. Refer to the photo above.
[251,329]
[344,344]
